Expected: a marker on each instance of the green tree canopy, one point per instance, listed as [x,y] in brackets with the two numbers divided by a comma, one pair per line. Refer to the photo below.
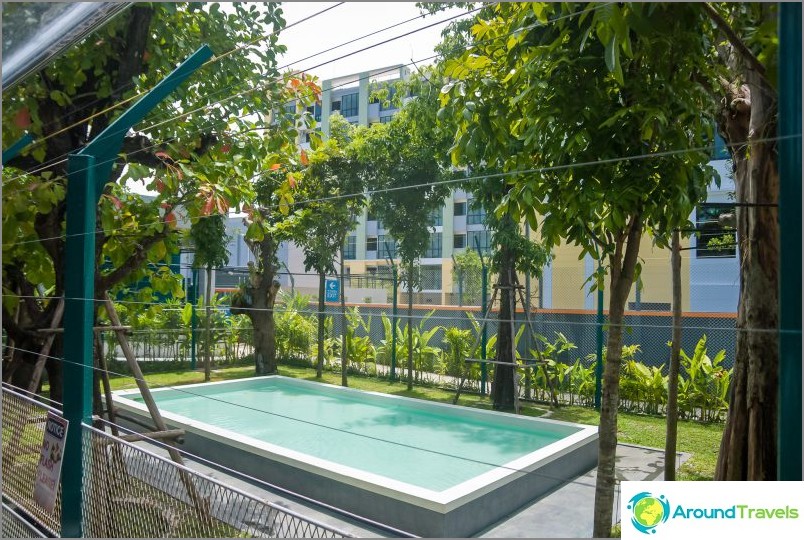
[605,102]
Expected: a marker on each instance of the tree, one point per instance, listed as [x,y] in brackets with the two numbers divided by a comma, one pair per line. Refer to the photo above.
[210,241]
[170,152]
[467,270]
[335,192]
[745,90]
[512,253]
[407,152]
[675,362]
[584,96]
[275,166]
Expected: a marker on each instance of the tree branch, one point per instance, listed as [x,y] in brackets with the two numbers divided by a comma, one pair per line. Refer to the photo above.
[734,39]
[104,282]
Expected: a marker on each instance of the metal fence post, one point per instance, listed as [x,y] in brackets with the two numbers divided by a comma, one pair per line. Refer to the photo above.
[79,292]
[394,322]
[484,283]
[599,350]
[193,318]
[88,173]
[789,456]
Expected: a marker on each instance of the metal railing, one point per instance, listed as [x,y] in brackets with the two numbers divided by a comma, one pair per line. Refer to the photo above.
[132,492]
[23,420]
[16,526]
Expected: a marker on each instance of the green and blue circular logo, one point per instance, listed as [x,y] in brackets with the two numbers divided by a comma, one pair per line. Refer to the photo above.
[648,511]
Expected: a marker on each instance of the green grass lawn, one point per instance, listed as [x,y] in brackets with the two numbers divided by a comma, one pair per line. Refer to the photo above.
[700,440]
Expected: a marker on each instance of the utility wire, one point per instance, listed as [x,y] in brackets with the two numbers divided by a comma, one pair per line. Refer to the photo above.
[534,312]
[250,90]
[209,62]
[536,170]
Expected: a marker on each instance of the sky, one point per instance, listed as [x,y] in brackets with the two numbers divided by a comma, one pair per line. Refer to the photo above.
[352,20]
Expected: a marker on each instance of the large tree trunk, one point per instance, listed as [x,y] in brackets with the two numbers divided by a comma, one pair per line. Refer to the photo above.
[622,269]
[257,303]
[748,448]
[675,361]
[207,332]
[502,390]
[319,366]
[264,342]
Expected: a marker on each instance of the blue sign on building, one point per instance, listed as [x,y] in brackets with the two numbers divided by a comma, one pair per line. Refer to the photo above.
[333,291]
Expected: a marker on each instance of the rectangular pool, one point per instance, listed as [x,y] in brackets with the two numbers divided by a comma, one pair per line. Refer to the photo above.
[429,468]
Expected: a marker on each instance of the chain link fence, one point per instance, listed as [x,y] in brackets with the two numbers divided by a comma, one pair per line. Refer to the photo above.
[131,492]
[16,526]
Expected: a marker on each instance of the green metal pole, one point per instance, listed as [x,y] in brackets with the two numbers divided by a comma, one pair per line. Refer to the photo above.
[394,323]
[87,173]
[79,291]
[484,284]
[193,318]
[789,456]
[12,151]
[599,336]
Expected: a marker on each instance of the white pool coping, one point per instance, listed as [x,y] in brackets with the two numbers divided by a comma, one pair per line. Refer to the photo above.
[439,501]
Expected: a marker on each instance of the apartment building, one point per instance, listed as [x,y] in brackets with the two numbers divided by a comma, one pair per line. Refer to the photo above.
[709,276]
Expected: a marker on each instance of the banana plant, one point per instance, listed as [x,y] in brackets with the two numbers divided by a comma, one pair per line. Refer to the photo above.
[359,349]
[705,387]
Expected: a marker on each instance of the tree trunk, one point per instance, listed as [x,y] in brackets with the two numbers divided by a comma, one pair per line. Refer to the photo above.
[344,355]
[264,342]
[675,360]
[207,331]
[502,391]
[319,367]
[622,268]
[410,326]
[748,447]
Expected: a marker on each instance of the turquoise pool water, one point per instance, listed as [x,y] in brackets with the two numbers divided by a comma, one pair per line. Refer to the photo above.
[431,447]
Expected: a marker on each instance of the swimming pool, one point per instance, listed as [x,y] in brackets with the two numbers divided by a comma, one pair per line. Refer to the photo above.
[428,468]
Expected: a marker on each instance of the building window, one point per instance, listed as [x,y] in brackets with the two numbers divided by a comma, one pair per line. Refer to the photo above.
[291,108]
[430,277]
[336,106]
[350,248]
[459,241]
[371,214]
[350,105]
[386,243]
[714,239]
[436,219]
[459,208]
[482,239]
[371,243]
[386,119]
[434,248]
[476,214]
[315,111]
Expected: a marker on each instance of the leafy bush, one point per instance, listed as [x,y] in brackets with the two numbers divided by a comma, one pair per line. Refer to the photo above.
[703,385]
[360,352]
[294,328]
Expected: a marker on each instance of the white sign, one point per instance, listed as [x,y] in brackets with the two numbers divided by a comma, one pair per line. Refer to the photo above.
[712,509]
[48,472]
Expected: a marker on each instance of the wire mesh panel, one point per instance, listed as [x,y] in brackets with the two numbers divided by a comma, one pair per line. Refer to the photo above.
[130,492]
[15,526]
[23,432]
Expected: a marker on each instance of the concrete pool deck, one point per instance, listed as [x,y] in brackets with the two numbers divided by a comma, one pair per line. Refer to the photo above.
[565,512]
